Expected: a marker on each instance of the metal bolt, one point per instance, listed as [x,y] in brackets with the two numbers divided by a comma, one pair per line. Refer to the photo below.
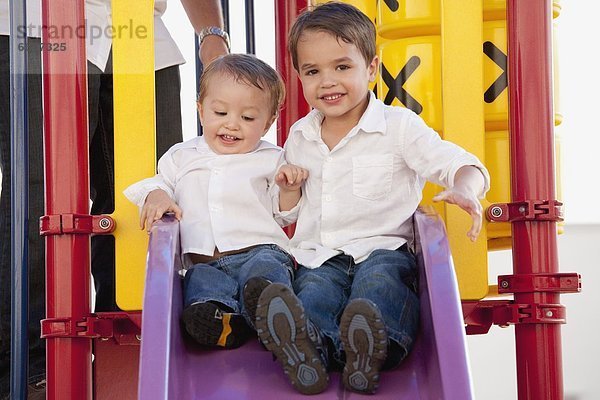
[549,314]
[138,337]
[104,223]
[522,209]
[496,212]
[504,284]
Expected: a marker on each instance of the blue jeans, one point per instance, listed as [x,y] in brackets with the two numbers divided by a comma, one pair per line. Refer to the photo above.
[222,280]
[37,353]
[387,277]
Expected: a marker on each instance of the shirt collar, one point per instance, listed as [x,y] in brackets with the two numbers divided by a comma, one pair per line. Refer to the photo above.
[372,121]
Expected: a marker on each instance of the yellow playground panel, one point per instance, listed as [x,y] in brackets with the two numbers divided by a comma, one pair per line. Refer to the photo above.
[135,154]
[444,59]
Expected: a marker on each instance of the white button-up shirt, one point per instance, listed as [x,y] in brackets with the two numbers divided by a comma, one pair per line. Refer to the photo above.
[361,195]
[229,202]
[98,15]
[34,18]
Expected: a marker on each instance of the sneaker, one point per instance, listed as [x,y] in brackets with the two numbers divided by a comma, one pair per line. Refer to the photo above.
[251,292]
[365,341]
[208,325]
[282,328]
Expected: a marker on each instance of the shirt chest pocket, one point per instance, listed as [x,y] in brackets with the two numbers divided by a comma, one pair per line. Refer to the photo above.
[372,176]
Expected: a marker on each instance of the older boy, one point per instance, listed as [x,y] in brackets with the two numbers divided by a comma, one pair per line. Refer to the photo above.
[222,188]
[367,163]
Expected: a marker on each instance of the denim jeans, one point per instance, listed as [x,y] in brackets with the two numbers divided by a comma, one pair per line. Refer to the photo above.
[35,242]
[387,277]
[222,280]
[102,192]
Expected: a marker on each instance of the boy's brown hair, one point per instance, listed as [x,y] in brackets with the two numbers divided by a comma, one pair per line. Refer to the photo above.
[246,69]
[343,21]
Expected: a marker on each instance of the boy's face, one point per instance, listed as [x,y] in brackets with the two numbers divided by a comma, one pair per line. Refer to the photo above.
[234,115]
[335,77]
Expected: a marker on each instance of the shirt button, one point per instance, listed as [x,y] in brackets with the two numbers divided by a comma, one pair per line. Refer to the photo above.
[328,198]
[329,159]
[216,171]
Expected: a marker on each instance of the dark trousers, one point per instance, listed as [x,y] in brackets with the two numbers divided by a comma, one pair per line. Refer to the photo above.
[36,208]
[168,132]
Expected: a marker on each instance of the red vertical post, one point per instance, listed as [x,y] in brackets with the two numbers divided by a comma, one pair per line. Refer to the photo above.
[69,369]
[538,345]
[295,105]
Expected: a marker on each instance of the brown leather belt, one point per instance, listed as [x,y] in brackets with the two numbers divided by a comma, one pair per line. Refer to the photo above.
[203,259]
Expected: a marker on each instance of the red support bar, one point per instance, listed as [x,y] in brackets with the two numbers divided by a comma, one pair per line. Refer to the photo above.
[538,345]
[525,210]
[69,367]
[295,105]
[529,283]
[72,223]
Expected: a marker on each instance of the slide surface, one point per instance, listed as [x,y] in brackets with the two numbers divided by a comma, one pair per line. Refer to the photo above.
[170,368]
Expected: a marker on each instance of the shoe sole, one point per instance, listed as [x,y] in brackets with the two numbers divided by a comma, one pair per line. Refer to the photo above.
[365,340]
[281,326]
[209,326]
[252,291]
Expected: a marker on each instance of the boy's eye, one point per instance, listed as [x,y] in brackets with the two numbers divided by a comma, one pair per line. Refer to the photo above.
[343,67]
[249,119]
[311,72]
[220,113]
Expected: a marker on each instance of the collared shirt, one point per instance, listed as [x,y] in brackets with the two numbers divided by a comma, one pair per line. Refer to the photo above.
[98,15]
[34,17]
[229,202]
[361,195]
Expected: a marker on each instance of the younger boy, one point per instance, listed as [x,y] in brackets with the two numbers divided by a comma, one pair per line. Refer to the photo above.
[367,162]
[221,186]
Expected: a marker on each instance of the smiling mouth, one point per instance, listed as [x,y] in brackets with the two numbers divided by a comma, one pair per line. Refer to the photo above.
[331,97]
[229,138]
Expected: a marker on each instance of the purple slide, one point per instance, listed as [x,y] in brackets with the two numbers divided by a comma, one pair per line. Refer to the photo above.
[171,368]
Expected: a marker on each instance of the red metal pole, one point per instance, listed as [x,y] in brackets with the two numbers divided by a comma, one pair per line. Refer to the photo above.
[295,106]
[538,345]
[68,362]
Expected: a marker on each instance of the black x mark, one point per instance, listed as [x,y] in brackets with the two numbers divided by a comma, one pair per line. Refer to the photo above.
[395,85]
[497,56]
[392,4]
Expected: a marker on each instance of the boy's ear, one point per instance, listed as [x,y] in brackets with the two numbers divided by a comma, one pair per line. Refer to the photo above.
[373,68]
[200,111]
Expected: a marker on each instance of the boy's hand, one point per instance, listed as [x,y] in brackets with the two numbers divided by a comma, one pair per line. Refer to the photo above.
[157,203]
[468,201]
[290,178]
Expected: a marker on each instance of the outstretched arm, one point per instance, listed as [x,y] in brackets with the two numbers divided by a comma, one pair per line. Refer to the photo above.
[468,183]
[202,14]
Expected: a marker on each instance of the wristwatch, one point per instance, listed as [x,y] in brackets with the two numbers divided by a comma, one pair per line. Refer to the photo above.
[214,30]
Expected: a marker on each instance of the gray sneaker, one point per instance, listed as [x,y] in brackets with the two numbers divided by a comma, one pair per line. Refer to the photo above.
[364,339]
[282,327]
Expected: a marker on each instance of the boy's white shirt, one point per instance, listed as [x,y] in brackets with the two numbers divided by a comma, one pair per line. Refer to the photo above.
[229,202]
[361,195]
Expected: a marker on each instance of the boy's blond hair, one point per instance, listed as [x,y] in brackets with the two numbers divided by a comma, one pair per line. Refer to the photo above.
[343,21]
[246,69]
